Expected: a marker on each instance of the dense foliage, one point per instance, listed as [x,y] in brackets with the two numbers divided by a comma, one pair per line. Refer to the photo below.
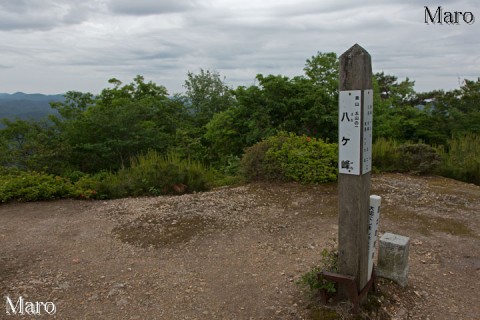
[106,141]
[288,157]
[416,158]
[155,174]
[32,186]
[461,158]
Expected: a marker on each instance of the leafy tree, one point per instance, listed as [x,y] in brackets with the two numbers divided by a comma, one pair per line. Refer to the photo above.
[462,107]
[321,120]
[434,126]
[31,146]
[207,95]
[446,114]
[285,100]
[243,124]
[323,70]
[395,115]
[224,133]
[123,121]
[397,93]
[252,115]
[74,105]
[16,143]
[41,145]
[303,105]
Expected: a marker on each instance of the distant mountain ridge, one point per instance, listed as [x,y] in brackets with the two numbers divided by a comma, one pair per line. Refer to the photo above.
[26,106]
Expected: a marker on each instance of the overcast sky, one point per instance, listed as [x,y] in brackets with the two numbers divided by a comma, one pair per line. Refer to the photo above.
[53,46]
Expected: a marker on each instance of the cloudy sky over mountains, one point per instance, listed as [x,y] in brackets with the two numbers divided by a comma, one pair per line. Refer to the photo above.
[52,46]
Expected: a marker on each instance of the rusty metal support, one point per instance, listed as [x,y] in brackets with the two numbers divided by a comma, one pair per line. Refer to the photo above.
[350,286]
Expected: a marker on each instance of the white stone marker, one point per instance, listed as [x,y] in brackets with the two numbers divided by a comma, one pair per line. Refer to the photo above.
[373,220]
[393,258]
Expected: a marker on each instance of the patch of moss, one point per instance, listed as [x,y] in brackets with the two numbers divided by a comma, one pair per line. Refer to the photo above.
[427,224]
[322,313]
[449,187]
[150,230]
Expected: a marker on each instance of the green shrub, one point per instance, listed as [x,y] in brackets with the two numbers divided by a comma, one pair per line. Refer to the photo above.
[418,158]
[461,158]
[231,165]
[91,186]
[229,172]
[253,164]
[73,175]
[156,174]
[313,282]
[32,186]
[289,157]
[148,174]
[385,155]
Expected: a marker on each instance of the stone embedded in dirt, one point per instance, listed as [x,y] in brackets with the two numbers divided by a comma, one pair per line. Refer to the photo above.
[393,258]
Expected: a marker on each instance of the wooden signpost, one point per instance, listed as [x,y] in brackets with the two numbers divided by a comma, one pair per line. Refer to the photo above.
[358,211]
[355,149]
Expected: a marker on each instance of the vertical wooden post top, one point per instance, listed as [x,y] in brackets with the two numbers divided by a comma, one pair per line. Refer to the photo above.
[355,69]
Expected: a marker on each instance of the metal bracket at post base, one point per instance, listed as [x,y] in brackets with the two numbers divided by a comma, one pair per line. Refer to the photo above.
[350,284]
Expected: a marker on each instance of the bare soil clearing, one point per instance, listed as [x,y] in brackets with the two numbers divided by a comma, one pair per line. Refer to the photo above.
[234,253]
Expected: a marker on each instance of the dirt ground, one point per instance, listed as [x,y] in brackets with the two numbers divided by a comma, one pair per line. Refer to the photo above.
[235,253]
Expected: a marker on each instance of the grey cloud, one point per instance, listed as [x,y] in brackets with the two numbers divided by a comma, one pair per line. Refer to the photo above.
[308,8]
[9,23]
[43,15]
[150,7]
[136,56]
[16,6]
